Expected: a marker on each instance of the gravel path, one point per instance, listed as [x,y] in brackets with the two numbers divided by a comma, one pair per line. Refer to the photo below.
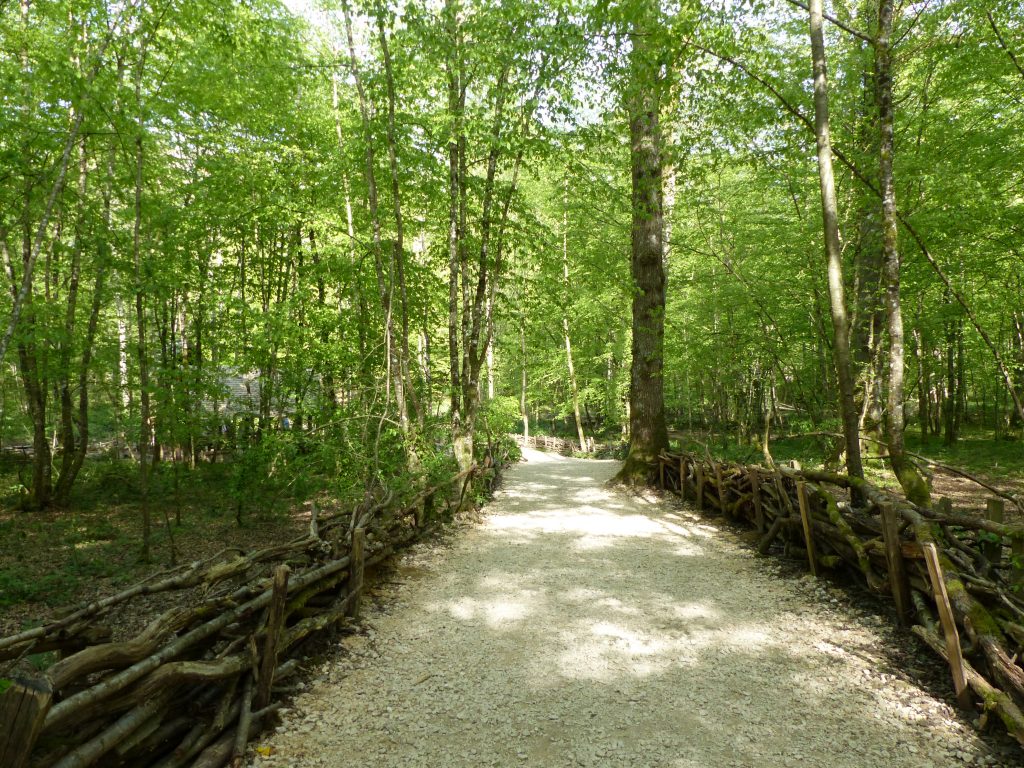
[576,625]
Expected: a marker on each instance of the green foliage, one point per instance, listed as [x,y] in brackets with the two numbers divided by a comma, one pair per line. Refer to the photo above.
[498,420]
[239,233]
[498,417]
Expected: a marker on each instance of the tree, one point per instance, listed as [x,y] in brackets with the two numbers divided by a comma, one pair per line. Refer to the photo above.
[906,472]
[648,433]
[830,218]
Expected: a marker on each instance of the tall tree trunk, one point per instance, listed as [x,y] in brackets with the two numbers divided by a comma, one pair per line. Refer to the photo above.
[399,242]
[648,433]
[573,387]
[923,384]
[906,472]
[145,421]
[489,330]
[868,317]
[456,104]
[384,287]
[961,379]
[833,254]
[357,292]
[522,377]
[477,342]
[67,414]
[101,265]
[949,405]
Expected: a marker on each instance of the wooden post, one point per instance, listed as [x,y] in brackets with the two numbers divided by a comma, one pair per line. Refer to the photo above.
[894,558]
[356,566]
[23,709]
[805,517]
[1017,572]
[661,473]
[993,550]
[698,478]
[944,505]
[956,661]
[426,511]
[721,488]
[275,625]
[755,495]
[682,478]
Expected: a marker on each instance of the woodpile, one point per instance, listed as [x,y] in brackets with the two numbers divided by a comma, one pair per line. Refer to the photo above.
[957,580]
[201,679]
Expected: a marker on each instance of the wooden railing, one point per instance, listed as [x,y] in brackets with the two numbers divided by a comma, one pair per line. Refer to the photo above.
[951,575]
[201,679]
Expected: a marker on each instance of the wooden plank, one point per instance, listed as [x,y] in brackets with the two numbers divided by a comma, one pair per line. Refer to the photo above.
[356,568]
[275,625]
[23,709]
[898,581]
[993,550]
[805,517]
[755,490]
[954,653]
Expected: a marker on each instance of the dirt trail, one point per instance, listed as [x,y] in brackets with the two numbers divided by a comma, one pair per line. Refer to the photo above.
[576,625]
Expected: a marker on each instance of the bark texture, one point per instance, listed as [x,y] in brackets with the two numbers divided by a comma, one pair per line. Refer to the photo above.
[648,434]
[833,254]
[906,472]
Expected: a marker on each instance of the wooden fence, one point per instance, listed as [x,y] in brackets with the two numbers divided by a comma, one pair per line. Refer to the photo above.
[200,680]
[957,580]
[563,447]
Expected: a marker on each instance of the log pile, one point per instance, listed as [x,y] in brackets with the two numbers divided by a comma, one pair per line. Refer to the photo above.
[957,580]
[203,678]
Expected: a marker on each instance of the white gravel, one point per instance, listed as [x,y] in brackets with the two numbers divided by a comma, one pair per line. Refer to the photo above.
[578,625]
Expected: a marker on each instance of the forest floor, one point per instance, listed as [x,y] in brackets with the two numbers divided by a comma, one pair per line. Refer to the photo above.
[573,624]
[66,557]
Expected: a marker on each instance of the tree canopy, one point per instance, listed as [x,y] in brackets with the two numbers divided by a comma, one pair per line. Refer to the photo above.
[387,233]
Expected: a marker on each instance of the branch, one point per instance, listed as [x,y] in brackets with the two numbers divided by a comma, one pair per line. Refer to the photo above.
[867,39]
[901,217]
[1003,45]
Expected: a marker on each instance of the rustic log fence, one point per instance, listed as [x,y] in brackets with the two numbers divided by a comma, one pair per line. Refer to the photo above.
[201,679]
[561,446]
[957,580]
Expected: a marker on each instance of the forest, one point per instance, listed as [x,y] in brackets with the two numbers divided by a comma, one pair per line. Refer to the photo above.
[257,252]
[289,283]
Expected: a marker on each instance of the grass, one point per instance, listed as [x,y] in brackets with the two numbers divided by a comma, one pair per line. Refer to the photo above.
[976,451]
